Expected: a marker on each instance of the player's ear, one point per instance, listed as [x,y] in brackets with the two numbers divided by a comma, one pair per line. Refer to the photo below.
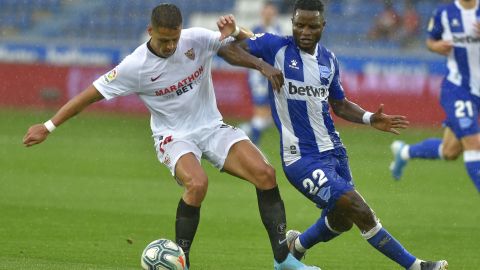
[149,29]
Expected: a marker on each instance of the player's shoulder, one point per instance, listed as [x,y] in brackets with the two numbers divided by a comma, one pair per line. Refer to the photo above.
[272,39]
[446,7]
[137,58]
[258,29]
[326,52]
[195,32]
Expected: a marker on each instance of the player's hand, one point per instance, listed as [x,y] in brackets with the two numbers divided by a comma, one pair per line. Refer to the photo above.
[35,135]
[443,47]
[274,75]
[477,28]
[226,25]
[388,123]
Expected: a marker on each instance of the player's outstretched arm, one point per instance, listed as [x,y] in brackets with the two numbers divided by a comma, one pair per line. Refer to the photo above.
[228,27]
[350,111]
[388,123]
[39,132]
[236,53]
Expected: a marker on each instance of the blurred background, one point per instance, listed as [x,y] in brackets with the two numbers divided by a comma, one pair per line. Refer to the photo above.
[63,45]
[93,195]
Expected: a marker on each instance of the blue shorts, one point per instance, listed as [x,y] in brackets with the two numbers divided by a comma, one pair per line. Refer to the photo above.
[461,108]
[322,179]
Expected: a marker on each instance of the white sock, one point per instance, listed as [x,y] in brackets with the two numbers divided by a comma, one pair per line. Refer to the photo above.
[404,154]
[260,123]
[298,245]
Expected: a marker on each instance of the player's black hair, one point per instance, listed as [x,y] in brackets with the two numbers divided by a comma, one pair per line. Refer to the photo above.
[314,5]
[166,15]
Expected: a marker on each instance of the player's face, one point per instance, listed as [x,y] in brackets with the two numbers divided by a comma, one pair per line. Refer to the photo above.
[164,40]
[307,28]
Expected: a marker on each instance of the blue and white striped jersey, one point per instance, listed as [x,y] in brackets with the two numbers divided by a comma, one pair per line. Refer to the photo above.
[301,110]
[453,22]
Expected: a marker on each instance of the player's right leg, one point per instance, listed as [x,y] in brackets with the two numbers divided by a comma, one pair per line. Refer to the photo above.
[191,175]
[182,158]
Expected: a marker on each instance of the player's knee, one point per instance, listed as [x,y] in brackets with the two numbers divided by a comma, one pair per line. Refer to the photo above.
[345,226]
[196,188]
[451,153]
[357,210]
[265,177]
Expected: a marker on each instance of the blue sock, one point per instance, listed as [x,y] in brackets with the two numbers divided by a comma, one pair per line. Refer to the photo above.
[472,162]
[427,149]
[318,232]
[255,135]
[380,239]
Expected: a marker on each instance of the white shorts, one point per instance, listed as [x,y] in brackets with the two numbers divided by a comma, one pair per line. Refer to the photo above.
[212,144]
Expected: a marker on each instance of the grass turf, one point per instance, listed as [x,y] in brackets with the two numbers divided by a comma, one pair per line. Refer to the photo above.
[93,195]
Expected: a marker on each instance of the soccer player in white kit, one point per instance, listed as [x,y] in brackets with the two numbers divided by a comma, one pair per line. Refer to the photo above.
[171,74]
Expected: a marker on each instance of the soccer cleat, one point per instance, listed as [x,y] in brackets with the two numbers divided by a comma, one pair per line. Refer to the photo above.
[292,235]
[440,265]
[290,263]
[398,164]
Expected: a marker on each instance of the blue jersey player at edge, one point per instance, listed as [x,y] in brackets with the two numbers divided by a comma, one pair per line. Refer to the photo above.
[313,156]
[454,31]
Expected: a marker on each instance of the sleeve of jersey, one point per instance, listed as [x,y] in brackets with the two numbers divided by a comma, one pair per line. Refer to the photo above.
[435,27]
[263,45]
[120,81]
[211,39]
[336,89]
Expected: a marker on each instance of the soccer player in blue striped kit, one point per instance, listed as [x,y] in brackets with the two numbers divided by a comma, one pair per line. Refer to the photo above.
[454,31]
[313,156]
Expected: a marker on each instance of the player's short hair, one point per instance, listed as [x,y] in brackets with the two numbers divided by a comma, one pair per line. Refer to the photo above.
[166,15]
[314,5]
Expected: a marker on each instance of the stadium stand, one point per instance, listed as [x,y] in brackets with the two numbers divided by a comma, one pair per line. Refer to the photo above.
[114,22]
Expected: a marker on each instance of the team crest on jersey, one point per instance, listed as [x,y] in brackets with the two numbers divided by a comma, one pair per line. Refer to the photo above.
[324,71]
[431,23]
[190,54]
[259,35]
[110,76]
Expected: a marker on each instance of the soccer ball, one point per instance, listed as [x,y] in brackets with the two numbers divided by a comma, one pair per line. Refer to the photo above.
[163,254]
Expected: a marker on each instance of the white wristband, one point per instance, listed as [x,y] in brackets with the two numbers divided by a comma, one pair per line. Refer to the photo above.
[50,126]
[366,118]
[236,32]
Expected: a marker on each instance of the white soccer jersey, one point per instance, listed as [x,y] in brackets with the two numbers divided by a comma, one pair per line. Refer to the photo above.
[177,90]
[453,22]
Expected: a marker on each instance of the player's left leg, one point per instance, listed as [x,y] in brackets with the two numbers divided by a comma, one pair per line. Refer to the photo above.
[354,207]
[246,162]
[230,150]
[471,157]
[448,148]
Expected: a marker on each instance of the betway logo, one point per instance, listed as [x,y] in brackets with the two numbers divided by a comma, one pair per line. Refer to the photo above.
[307,90]
[466,39]
[182,86]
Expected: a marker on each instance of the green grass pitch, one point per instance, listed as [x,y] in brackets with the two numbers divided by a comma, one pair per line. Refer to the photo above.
[93,195]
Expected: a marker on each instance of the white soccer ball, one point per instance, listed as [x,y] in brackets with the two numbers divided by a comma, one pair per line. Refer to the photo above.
[163,254]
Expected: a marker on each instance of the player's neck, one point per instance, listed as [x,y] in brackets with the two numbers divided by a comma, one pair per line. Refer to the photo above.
[468,4]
